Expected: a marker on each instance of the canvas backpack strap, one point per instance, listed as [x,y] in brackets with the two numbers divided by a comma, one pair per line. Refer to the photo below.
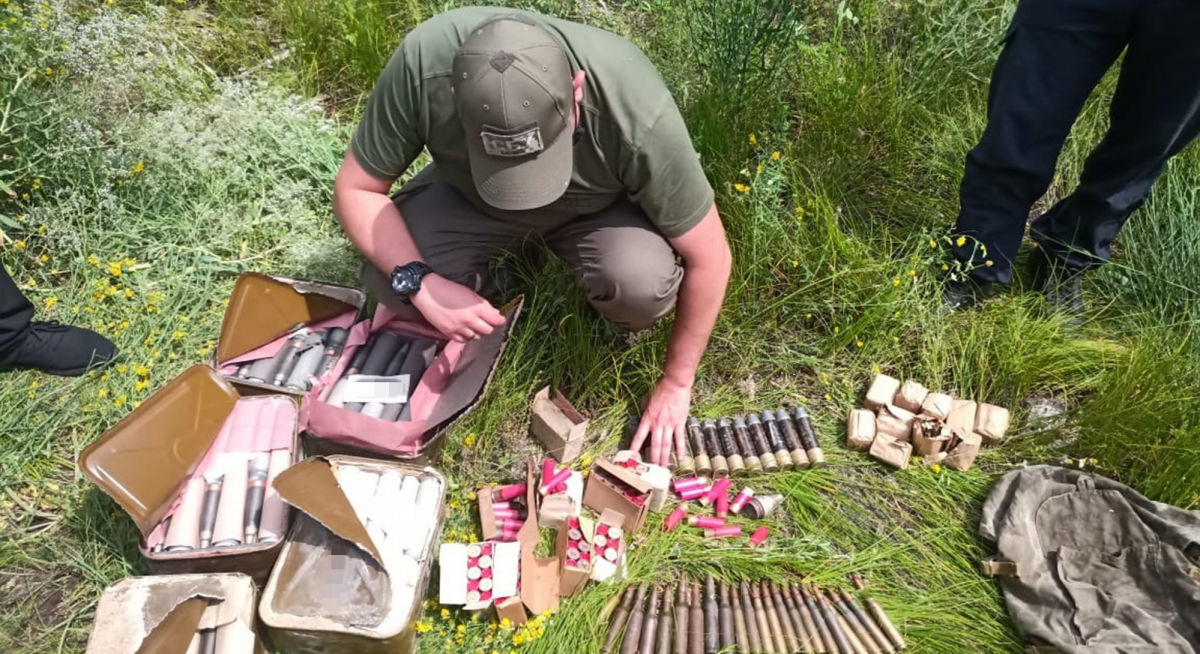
[995,567]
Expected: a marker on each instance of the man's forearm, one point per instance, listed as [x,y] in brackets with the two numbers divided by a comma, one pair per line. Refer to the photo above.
[374,225]
[700,298]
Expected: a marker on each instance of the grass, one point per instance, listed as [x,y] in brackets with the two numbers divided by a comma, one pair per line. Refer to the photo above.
[173,145]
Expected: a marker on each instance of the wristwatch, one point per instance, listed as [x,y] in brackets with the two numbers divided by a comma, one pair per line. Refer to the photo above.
[406,279]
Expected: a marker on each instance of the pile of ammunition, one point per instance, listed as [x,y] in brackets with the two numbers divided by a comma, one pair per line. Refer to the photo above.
[901,420]
[767,441]
[579,550]
[230,501]
[509,511]
[748,617]
[382,375]
[305,356]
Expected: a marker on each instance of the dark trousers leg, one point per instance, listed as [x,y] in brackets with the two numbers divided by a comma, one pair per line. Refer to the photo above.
[15,311]
[1155,113]
[1055,53]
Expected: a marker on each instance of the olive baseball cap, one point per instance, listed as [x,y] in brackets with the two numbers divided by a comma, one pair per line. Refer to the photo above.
[512,88]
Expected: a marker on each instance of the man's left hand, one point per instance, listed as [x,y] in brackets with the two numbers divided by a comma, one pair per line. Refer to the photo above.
[663,420]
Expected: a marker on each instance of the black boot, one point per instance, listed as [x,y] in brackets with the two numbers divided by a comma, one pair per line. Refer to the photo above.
[1060,285]
[58,350]
[958,294]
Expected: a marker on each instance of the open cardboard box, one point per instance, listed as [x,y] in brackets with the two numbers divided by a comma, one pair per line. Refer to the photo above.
[557,424]
[263,310]
[163,614]
[145,460]
[539,590]
[330,522]
[450,388]
[574,576]
[604,492]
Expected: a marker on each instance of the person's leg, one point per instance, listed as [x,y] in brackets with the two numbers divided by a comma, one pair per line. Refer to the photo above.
[456,240]
[1055,53]
[15,312]
[1155,113]
[46,346]
[625,266]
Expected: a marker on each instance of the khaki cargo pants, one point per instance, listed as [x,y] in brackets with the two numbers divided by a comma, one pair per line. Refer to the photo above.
[625,266]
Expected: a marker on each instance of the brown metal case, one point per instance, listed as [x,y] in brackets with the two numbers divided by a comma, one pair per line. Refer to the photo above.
[143,461]
[263,308]
[311,486]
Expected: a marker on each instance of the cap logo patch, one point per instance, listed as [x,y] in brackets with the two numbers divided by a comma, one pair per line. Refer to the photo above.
[518,142]
[501,61]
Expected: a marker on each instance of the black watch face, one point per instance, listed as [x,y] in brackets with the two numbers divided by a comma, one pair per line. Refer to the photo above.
[406,280]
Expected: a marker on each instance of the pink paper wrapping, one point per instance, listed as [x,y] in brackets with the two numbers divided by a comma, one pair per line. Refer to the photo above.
[266,351]
[233,500]
[185,523]
[401,438]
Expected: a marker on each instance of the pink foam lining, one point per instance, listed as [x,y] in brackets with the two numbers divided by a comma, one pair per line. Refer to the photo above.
[402,438]
[230,367]
[256,424]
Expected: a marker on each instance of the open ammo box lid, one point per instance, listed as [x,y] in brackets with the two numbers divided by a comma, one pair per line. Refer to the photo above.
[312,487]
[161,614]
[263,308]
[144,460]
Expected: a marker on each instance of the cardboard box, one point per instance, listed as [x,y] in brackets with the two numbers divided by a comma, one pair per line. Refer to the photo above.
[658,477]
[937,405]
[166,613]
[895,422]
[963,450]
[961,417]
[991,423]
[558,425]
[331,551]
[860,429]
[930,436]
[891,451]
[882,392]
[263,310]
[607,486]
[910,396]
[609,543]
[555,508]
[575,571]
[466,568]
[144,461]
[449,389]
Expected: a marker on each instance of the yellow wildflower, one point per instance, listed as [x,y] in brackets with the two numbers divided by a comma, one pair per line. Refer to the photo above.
[960,241]
[912,273]
[20,245]
[114,269]
[741,188]
[945,266]
[423,626]
[51,301]
[932,243]
[139,168]
[44,258]
[937,467]
[445,613]
[775,155]
[119,402]
[141,370]
[858,343]
[828,397]
[49,71]
[469,441]
[989,263]
[895,282]
[178,335]
[753,139]
[122,368]
[128,293]
[795,263]
[141,385]
[94,260]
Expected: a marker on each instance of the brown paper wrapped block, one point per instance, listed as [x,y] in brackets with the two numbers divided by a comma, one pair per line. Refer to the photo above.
[930,436]
[961,417]
[882,392]
[963,450]
[895,422]
[937,405]
[860,430]
[991,422]
[891,451]
[910,396]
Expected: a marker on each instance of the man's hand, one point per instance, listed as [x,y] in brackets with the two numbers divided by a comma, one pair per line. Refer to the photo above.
[455,310]
[664,421]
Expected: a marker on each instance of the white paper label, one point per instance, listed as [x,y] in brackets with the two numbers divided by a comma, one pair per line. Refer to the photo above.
[374,388]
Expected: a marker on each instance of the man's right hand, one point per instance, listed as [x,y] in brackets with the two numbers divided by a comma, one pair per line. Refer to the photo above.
[455,310]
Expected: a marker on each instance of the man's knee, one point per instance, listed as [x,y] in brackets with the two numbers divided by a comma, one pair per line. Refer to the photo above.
[633,291]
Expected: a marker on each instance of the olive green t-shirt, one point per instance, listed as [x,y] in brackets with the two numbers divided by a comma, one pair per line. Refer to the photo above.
[634,142]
